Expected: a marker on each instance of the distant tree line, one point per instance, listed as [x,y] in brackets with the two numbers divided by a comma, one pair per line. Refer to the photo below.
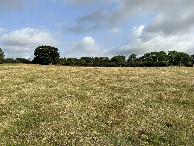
[49,55]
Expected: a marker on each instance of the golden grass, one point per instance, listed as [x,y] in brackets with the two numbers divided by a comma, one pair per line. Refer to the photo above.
[57,105]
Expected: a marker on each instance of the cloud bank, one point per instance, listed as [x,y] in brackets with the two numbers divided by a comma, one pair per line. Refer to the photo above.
[144,43]
[170,29]
[22,43]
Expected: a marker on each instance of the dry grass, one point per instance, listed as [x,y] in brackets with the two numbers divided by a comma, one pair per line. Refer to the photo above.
[56,105]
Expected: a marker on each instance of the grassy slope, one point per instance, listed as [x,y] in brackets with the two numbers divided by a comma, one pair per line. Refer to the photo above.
[44,105]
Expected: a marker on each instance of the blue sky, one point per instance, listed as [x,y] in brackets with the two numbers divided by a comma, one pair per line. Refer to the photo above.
[80,28]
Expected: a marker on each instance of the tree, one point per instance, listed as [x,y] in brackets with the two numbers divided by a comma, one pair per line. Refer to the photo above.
[22,60]
[9,60]
[101,61]
[178,58]
[154,59]
[132,60]
[88,60]
[184,58]
[192,58]
[172,57]
[63,61]
[161,58]
[71,61]
[1,56]
[46,55]
[118,60]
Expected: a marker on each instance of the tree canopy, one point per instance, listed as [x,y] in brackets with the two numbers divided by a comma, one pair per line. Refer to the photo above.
[1,55]
[192,58]
[46,55]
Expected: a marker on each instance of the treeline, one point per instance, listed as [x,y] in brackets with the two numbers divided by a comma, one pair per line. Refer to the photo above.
[17,60]
[153,59]
[50,55]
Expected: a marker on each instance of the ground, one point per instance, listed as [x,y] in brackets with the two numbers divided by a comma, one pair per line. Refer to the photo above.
[58,105]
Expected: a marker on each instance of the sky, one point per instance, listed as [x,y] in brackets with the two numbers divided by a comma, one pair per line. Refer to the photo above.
[96,28]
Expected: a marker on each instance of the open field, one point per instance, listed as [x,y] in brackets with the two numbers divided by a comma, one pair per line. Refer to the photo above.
[57,105]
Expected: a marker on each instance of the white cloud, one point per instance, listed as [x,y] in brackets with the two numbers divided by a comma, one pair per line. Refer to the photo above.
[22,43]
[137,31]
[171,15]
[115,29]
[87,47]
[145,42]
[2,30]
[88,41]
[171,28]
[183,43]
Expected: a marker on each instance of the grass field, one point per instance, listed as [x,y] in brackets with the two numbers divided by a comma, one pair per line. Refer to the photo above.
[57,105]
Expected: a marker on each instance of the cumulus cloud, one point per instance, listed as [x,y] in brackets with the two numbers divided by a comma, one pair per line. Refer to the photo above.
[21,43]
[137,31]
[87,47]
[144,42]
[171,28]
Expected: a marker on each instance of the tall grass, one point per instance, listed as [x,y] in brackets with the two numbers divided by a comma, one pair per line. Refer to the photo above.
[56,105]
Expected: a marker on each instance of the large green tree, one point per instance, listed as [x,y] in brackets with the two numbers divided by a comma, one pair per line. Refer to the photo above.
[132,60]
[46,55]
[178,58]
[1,56]
[118,60]
[101,61]
[154,59]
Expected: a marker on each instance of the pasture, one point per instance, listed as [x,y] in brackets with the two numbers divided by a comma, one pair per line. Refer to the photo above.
[58,105]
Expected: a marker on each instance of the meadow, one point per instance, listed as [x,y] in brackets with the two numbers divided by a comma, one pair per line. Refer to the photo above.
[58,105]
